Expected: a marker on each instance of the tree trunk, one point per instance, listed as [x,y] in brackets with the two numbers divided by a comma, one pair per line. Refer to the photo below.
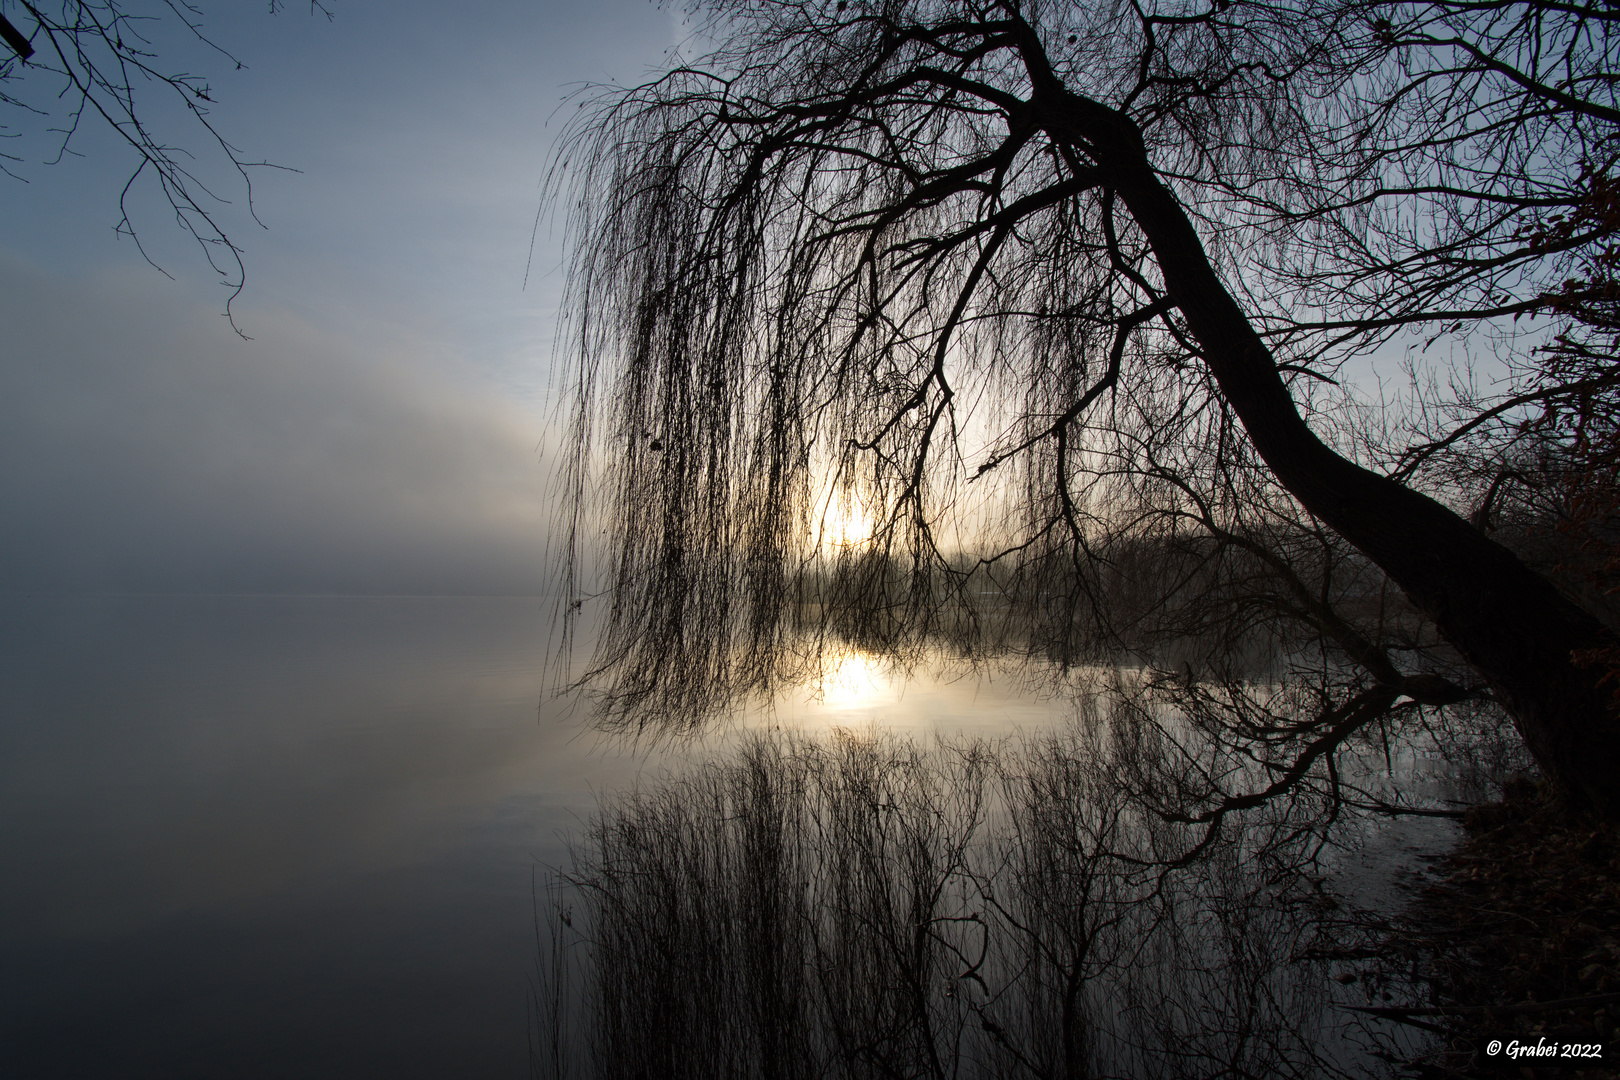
[1509,622]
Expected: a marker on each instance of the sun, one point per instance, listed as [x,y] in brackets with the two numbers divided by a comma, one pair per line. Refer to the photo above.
[845,525]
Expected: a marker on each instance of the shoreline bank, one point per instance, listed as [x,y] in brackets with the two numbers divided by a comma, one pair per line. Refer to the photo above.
[1519,939]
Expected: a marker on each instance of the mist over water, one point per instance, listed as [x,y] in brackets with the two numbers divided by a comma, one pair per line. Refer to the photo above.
[273,835]
[323,836]
[865,903]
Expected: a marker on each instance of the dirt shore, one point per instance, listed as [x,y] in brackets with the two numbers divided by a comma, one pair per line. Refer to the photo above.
[1519,939]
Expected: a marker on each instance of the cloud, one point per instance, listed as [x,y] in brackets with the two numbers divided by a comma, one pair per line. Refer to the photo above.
[143,447]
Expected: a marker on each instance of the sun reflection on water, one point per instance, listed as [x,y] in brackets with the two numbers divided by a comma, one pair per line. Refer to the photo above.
[853,680]
[859,690]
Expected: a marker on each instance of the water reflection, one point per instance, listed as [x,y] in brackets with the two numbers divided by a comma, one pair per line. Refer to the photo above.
[856,689]
[865,905]
[295,837]
[854,679]
[276,836]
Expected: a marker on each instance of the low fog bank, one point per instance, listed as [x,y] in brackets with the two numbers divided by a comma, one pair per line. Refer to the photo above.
[144,447]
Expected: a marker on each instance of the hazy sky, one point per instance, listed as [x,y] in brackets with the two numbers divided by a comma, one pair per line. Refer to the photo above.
[384,429]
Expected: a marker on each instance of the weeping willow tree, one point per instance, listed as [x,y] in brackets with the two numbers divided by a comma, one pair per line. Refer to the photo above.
[987,326]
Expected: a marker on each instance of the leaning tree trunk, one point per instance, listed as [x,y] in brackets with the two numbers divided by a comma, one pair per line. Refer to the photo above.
[1509,622]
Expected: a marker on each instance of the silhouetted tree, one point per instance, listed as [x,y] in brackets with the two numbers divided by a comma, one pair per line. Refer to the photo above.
[1544,458]
[1052,296]
[71,61]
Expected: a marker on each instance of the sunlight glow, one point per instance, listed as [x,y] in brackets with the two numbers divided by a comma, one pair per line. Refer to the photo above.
[853,680]
[845,525]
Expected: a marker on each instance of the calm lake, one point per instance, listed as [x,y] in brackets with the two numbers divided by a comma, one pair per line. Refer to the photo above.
[297,836]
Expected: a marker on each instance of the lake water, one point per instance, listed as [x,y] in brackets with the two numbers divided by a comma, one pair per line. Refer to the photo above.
[296,836]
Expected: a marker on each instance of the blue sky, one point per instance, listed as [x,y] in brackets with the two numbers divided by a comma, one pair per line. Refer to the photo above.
[385,428]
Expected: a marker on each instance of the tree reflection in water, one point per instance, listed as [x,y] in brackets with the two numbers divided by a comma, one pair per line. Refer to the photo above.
[864,906]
